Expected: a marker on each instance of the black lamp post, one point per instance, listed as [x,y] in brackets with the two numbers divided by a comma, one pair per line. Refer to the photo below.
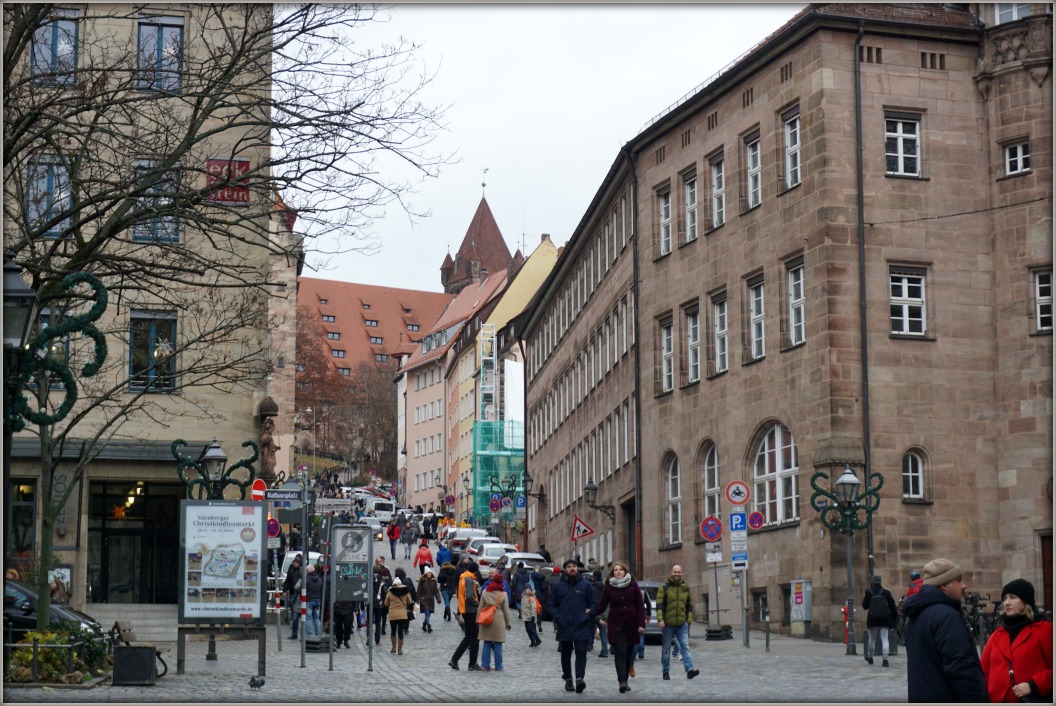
[843,516]
[529,483]
[590,492]
[441,492]
[210,466]
[467,487]
[505,489]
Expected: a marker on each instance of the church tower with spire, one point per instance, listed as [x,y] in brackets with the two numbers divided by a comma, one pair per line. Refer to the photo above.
[483,250]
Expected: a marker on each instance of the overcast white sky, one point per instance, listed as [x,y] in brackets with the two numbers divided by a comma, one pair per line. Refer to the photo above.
[543,96]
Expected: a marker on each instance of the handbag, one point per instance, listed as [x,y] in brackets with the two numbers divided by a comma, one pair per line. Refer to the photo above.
[410,612]
[485,615]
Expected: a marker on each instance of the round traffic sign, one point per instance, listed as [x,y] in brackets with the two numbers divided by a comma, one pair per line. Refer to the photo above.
[494,505]
[450,500]
[258,488]
[738,492]
[506,503]
[711,528]
[756,520]
[273,527]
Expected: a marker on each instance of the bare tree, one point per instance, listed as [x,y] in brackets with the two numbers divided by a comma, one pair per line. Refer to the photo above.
[164,154]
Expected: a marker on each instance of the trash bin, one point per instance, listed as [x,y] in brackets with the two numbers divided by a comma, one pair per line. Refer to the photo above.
[133,666]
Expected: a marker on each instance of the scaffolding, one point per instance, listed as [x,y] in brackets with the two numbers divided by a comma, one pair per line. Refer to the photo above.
[489,377]
[498,470]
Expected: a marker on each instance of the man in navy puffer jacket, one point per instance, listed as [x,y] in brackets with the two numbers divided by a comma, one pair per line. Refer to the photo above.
[571,601]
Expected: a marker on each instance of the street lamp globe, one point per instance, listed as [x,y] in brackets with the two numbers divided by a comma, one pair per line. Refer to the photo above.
[214,459]
[847,486]
[590,492]
[465,484]
[528,482]
[20,307]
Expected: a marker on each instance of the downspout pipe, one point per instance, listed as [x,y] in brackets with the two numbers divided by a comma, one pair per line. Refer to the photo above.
[638,555]
[863,321]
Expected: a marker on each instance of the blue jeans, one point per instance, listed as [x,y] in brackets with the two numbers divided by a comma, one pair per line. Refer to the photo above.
[392,546]
[641,647]
[680,633]
[312,625]
[485,656]
[295,622]
[426,614]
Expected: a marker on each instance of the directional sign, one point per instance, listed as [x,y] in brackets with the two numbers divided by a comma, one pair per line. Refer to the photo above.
[282,494]
[738,492]
[738,523]
[756,520]
[739,560]
[333,504]
[273,527]
[257,489]
[494,504]
[711,528]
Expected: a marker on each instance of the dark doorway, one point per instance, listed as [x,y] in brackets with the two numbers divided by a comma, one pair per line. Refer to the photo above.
[133,542]
[630,535]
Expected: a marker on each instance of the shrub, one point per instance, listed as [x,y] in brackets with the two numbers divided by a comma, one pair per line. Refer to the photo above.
[88,661]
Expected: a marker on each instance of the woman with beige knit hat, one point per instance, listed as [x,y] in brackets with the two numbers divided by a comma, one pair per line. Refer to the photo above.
[942,663]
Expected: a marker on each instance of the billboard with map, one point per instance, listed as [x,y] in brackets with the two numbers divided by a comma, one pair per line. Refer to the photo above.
[222,545]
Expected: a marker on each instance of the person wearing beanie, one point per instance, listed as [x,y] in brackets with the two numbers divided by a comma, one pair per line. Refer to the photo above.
[397,604]
[428,596]
[493,635]
[571,603]
[881,617]
[942,663]
[1017,659]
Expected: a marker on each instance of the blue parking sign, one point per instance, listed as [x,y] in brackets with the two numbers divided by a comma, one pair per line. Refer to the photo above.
[521,501]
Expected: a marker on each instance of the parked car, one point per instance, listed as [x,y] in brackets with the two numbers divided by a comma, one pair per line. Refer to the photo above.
[491,552]
[20,612]
[474,544]
[531,560]
[458,538]
[653,633]
[313,557]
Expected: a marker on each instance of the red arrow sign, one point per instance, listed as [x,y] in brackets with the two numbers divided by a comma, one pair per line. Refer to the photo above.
[258,488]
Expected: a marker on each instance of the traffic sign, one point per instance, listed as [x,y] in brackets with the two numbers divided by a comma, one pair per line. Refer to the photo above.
[506,503]
[713,552]
[580,529]
[738,545]
[756,520]
[450,500]
[739,560]
[494,517]
[738,492]
[273,527]
[257,489]
[738,523]
[494,505]
[711,528]
[333,504]
[274,543]
[521,501]
[282,494]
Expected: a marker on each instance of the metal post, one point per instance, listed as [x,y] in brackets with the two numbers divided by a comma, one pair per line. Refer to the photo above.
[211,656]
[278,595]
[744,591]
[305,535]
[718,614]
[766,617]
[329,559]
[851,647]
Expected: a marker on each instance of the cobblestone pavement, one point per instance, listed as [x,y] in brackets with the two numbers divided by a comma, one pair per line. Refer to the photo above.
[794,670]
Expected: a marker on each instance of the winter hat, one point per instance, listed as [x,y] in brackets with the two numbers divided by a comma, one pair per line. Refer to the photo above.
[940,571]
[427,570]
[396,581]
[311,568]
[472,567]
[1021,588]
[876,582]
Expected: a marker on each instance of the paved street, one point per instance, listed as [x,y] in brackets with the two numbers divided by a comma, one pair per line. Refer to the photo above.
[794,670]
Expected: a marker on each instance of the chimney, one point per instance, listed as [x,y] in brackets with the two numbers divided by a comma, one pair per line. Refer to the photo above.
[544,238]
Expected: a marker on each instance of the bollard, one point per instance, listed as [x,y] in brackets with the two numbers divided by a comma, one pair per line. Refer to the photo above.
[766,619]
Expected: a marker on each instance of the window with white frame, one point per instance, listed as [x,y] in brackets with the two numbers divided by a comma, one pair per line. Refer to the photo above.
[753,171]
[160,188]
[793,174]
[693,345]
[663,208]
[53,56]
[674,502]
[160,53]
[152,350]
[690,189]
[712,492]
[1012,11]
[336,336]
[1043,300]
[908,304]
[797,328]
[47,196]
[1017,158]
[776,476]
[718,191]
[720,334]
[338,353]
[667,356]
[913,487]
[902,144]
[756,319]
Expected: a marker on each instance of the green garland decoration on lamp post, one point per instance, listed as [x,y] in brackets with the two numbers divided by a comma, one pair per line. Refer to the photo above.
[209,473]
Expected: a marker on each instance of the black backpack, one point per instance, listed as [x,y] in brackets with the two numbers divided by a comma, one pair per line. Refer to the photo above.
[879,611]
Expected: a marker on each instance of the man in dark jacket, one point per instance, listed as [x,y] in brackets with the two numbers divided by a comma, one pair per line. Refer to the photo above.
[942,662]
[571,601]
[881,616]
[314,596]
[518,581]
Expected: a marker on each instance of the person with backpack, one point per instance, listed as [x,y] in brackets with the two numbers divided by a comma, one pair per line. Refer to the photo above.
[468,602]
[881,618]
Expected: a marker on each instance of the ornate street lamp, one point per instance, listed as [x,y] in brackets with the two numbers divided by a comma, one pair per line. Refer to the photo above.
[590,492]
[441,493]
[844,516]
[20,307]
[212,477]
[529,483]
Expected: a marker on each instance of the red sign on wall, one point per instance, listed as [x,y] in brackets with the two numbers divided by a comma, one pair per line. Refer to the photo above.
[220,170]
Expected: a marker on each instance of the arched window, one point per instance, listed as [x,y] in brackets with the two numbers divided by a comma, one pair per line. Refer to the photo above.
[777,476]
[674,502]
[913,485]
[711,481]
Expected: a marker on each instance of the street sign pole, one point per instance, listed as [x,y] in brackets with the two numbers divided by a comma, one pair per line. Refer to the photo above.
[305,539]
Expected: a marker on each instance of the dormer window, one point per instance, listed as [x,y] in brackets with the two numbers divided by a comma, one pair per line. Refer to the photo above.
[365,305]
[323,301]
[372,323]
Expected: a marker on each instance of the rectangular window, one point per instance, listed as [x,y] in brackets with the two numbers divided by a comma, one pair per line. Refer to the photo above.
[413,327]
[377,339]
[902,145]
[796,305]
[753,172]
[1017,158]
[756,315]
[792,145]
[718,192]
[344,371]
[691,208]
[908,303]
[329,318]
[711,482]
[693,345]
[667,357]
[1011,11]
[53,58]
[160,54]
[152,351]
[48,196]
[1043,300]
[371,323]
[337,353]
[663,207]
[721,335]
[160,189]
[333,335]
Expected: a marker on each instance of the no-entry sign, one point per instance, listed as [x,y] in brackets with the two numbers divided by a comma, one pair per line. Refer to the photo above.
[258,489]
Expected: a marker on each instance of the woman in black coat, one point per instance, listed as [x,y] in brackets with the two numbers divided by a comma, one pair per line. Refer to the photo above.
[626,619]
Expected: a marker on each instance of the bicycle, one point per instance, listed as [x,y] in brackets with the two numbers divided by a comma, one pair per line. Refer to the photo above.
[974,617]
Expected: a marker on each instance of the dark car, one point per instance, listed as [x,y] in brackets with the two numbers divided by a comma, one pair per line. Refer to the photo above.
[20,612]
[652,625]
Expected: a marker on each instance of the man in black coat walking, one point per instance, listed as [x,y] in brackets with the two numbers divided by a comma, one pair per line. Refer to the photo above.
[942,662]
[881,616]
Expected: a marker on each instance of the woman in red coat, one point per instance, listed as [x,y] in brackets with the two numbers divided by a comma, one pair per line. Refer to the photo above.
[1017,659]
[626,619]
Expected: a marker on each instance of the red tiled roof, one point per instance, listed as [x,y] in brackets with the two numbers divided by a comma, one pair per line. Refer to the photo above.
[483,243]
[352,305]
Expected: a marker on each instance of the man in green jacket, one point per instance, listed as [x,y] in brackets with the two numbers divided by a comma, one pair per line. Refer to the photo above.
[674,608]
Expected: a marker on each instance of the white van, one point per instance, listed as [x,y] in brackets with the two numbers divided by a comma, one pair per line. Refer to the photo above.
[383,509]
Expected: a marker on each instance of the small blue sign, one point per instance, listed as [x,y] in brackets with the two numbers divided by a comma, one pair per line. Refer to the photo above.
[738,522]
[282,503]
[521,501]
[739,556]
